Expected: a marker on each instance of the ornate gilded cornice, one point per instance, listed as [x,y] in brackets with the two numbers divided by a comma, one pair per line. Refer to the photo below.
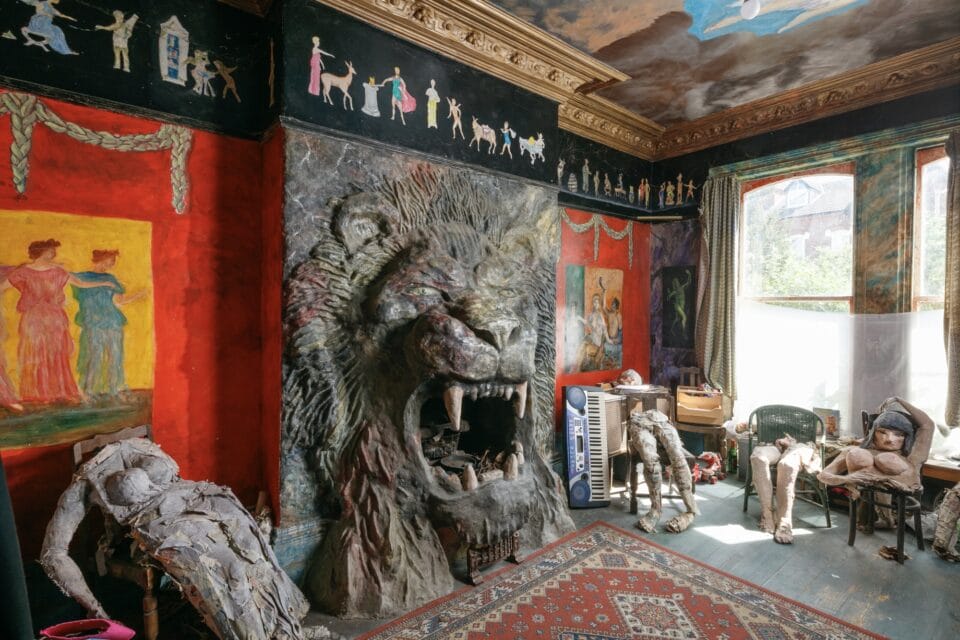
[256,7]
[608,123]
[488,38]
[914,72]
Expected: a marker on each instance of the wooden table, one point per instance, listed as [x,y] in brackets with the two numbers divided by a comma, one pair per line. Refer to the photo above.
[941,470]
[648,397]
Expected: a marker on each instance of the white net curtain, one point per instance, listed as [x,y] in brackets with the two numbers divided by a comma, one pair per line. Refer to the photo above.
[838,360]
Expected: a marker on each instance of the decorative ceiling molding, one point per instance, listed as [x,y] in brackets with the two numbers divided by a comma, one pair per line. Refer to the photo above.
[256,7]
[484,36]
[608,123]
[907,74]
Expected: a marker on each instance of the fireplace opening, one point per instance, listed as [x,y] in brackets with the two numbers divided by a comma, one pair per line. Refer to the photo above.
[486,435]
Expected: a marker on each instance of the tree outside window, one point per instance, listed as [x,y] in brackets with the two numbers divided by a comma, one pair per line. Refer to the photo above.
[797,250]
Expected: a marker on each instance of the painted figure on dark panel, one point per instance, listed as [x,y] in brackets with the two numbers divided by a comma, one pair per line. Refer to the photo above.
[454,115]
[42,32]
[433,99]
[316,65]
[122,29]
[229,82]
[508,136]
[400,98]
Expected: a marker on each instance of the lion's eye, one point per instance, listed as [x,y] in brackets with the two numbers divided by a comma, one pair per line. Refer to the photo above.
[424,291]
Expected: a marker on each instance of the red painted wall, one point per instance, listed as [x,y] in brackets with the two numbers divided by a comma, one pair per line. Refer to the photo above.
[577,249]
[272,312]
[208,384]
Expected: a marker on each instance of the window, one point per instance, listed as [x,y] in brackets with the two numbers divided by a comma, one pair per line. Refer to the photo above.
[797,248]
[930,229]
[796,291]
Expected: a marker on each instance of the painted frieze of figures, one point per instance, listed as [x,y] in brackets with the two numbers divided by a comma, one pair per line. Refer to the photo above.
[197,69]
[589,169]
[488,139]
[175,59]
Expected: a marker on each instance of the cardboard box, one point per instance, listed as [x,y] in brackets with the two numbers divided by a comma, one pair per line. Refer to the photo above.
[699,407]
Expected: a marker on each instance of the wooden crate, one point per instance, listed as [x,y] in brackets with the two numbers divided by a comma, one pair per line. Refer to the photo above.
[699,407]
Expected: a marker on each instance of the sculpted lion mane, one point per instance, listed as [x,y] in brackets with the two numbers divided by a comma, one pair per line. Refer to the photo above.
[420,342]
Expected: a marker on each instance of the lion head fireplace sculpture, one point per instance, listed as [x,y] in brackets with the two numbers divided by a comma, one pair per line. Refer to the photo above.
[418,378]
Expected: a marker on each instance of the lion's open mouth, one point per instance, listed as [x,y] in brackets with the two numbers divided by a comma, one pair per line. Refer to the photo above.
[469,435]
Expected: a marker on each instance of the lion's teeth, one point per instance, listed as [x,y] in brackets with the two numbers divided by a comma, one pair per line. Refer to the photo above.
[453,401]
[491,475]
[520,400]
[511,467]
[508,392]
[518,450]
[474,392]
[470,482]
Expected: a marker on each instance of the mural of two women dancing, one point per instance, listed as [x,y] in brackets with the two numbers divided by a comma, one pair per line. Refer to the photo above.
[45,345]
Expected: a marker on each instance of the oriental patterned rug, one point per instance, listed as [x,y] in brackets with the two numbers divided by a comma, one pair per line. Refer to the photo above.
[604,583]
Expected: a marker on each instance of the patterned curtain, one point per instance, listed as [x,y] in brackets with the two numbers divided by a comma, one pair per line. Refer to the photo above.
[951,291]
[716,295]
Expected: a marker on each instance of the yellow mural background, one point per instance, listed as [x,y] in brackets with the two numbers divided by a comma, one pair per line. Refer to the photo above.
[79,236]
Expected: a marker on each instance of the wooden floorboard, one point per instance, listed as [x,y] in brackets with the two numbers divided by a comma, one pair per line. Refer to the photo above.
[919,600]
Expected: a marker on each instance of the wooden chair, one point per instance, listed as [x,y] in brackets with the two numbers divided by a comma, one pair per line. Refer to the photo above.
[904,503]
[771,422]
[145,575]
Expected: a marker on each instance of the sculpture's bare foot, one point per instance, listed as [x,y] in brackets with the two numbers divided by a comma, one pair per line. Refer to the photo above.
[784,534]
[649,522]
[679,523]
[766,521]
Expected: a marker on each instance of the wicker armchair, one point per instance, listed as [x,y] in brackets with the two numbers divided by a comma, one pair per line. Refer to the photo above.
[771,422]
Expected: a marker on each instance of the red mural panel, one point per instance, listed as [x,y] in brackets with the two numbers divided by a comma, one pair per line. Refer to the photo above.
[207,283]
[577,249]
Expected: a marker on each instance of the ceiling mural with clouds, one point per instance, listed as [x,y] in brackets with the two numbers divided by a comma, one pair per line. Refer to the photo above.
[690,58]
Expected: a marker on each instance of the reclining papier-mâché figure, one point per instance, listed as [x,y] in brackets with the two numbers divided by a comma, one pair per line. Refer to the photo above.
[650,435]
[201,535]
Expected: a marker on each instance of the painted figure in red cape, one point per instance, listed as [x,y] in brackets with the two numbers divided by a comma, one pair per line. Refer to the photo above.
[400,98]
[8,394]
[100,360]
[316,66]
[45,346]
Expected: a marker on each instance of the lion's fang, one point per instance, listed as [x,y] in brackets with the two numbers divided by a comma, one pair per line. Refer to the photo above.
[520,400]
[453,401]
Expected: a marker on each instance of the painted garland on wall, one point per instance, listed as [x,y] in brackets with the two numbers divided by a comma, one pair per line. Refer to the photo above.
[595,224]
[26,111]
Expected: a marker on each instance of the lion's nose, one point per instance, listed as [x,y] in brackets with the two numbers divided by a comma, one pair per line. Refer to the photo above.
[500,333]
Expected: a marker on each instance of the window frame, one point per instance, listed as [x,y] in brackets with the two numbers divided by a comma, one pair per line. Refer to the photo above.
[844,169]
[922,157]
